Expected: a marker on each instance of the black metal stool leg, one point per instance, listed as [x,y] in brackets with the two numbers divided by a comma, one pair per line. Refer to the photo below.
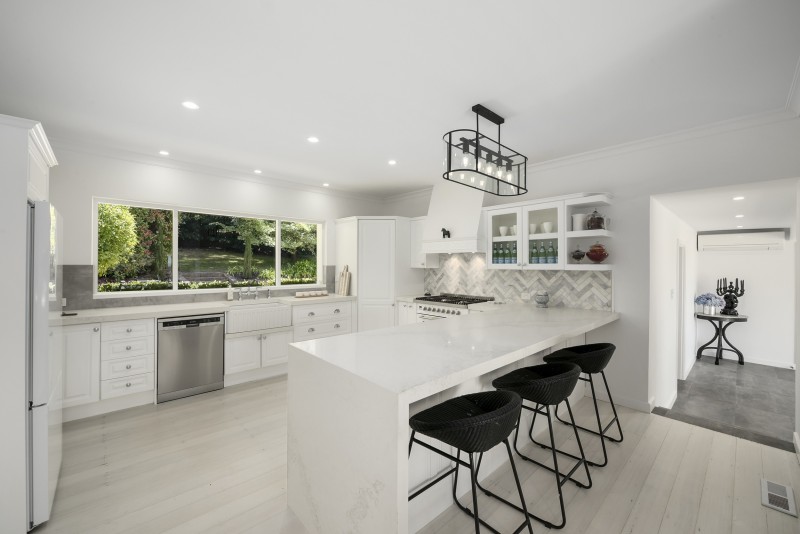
[614,409]
[601,430]
[474,480]
[411,442]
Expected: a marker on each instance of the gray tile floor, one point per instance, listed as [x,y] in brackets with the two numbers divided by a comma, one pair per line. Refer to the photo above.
[754,398]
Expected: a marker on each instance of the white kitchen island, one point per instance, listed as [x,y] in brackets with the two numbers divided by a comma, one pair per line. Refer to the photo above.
[350,398]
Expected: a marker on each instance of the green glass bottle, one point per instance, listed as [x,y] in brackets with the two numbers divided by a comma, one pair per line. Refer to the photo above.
[551,253]
[534,259]
[542,253]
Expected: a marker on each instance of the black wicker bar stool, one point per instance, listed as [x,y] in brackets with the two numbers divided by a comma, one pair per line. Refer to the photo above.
[472,424]
[547,385]
[592,359]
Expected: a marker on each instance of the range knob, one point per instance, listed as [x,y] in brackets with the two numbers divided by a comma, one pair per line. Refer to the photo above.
[458,312]
[448,312]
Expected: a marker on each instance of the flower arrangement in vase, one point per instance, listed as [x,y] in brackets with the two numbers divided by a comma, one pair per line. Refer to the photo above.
[710,303]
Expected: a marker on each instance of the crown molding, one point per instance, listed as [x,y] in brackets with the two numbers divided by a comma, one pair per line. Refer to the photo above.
[710,130]
[39,138]
[130,156]
[793,100]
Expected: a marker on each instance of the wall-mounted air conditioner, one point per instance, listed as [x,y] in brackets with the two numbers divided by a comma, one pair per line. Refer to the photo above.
[765,239]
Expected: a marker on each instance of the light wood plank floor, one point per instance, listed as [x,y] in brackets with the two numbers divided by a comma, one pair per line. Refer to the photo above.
[217,463]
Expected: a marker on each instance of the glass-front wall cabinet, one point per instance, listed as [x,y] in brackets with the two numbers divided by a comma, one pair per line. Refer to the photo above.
[505,241]
[543,244]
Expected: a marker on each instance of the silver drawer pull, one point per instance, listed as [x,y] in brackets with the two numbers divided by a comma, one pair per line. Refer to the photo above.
[336,325]
[311,314]
[128,366]
[310,330]
[336,310]
[129,330]
[128,385]
[128,347]
[96,329]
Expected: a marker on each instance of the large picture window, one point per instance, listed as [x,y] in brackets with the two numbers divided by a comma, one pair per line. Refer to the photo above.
[136,250]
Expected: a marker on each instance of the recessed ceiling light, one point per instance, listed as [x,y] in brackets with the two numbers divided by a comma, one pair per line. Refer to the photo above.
[739,216]
[326,185]
[190,105]
[313,140]
[392,162]
[740,226]
[257,171]
[738,198]
[163,152]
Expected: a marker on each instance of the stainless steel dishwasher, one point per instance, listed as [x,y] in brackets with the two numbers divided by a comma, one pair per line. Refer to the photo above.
[190,355]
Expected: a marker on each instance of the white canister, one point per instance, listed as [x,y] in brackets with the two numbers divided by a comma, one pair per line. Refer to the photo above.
[514,230]
[503,230]
[547,227]
[532,228]
[578,222]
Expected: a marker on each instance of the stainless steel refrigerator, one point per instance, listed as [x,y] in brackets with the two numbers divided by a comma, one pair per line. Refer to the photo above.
[44,361]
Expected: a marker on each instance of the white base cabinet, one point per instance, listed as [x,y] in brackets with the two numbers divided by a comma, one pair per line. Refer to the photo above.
[81,364]
[406,313]
[246,352]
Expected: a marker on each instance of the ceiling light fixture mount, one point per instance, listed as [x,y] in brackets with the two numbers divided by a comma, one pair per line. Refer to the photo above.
[478,161]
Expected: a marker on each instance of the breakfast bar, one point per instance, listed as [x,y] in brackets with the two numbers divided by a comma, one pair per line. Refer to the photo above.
[350,398]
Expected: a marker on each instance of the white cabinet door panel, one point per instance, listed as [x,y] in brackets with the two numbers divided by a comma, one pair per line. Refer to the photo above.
[275,347]
[372,316]
[81,364]
[242,354]
[376,249]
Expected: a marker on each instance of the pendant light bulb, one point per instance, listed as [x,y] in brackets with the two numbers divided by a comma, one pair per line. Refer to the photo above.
[465,160]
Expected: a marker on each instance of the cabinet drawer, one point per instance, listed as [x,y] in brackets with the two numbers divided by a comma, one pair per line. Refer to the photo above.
[127,347]
[121,367]
[320,312]
[125,386]
[318,330]
[127,329]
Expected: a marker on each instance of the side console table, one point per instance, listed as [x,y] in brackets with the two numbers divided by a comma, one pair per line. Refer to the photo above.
[721,324]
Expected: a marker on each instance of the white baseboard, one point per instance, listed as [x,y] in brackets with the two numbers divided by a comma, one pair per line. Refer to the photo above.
[109,405]
[672,400]
[256,374]
[771,363]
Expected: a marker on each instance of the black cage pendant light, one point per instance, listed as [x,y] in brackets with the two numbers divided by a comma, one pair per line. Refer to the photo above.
[480,162]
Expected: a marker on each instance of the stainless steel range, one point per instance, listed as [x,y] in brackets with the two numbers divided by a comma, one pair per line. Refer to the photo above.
[445,305]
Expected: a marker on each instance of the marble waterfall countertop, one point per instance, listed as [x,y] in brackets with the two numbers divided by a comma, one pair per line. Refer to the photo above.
[418,360]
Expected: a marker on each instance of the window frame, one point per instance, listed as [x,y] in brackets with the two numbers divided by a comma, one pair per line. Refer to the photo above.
[205,211]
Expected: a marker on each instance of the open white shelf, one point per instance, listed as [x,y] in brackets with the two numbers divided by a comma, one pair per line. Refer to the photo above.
[543,237]
[589,267]
[591,201]
[589,233]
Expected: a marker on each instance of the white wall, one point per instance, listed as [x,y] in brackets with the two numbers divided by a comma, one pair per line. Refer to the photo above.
[81,176]
[797,330]
[670,359]
[768,336]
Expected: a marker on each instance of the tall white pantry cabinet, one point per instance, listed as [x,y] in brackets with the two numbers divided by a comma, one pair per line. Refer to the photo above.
[376,251]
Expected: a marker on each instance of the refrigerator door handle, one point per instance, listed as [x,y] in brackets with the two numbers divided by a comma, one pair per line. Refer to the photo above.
[32,405]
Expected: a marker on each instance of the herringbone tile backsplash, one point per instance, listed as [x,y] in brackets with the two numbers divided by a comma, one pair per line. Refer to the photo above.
[467,274]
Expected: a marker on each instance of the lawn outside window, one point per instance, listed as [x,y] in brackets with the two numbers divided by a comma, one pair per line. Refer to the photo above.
[136,246]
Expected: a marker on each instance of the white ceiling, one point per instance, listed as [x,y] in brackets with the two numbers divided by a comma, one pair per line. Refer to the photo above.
[379,80]
[765,205]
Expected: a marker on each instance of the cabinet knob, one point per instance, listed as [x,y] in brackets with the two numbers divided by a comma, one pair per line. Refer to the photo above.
[128,385]
[422,264]
[128,347]
[128,366]
[336,325]
[311,314]
[129,330]
[96,329]
[336,310]
[310,330]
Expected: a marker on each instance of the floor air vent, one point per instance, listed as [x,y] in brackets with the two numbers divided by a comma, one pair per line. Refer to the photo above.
[778,497]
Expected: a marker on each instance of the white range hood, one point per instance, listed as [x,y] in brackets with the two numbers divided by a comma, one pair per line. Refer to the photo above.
[459,210]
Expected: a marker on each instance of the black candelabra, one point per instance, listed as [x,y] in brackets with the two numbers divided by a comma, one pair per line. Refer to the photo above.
[731,294]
